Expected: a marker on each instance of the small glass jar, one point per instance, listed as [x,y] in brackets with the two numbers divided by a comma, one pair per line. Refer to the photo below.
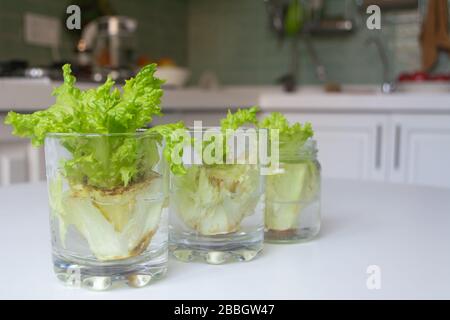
[292,211]
[108,203]
[216,211]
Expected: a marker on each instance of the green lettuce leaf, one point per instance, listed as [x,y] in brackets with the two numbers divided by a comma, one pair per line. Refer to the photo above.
[100,161]
[173,135]
[291,137]
[236,120]
[101,110]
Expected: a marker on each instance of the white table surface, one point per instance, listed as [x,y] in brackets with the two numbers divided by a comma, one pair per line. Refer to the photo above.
[404,230]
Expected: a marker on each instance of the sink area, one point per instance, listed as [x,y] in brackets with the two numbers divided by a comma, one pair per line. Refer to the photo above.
[430,88]
[401,88]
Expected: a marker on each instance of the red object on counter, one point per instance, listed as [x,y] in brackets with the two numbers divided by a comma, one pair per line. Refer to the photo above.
[405,77]
[420,76]
[440,77]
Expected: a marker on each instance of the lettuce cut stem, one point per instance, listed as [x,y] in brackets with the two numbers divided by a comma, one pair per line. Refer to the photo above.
[117,223]
[288,193]
[214,200]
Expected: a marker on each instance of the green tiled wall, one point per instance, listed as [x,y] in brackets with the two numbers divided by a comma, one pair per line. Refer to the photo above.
[232,38]
[162,28]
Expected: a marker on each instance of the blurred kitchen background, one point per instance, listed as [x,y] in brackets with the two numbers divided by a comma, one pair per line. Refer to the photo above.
[379,100]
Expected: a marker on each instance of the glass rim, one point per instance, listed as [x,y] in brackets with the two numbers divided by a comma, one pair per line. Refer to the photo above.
[138,133]
[218,128]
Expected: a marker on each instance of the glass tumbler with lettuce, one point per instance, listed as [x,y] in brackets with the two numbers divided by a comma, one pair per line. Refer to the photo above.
[107,181]
[292,211]
[217,207]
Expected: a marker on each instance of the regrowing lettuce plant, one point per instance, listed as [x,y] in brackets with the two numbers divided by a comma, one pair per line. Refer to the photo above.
[213,199]
[103,186]
[289,192]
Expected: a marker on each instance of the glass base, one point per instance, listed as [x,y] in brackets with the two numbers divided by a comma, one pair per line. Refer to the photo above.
[216,249]
[100,276]
[291,235]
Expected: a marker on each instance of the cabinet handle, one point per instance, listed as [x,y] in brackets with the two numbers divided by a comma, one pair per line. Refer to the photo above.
[378,145]
[397,147]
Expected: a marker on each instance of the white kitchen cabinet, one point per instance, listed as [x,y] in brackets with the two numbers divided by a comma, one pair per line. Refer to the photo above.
[19,161]
[412,149]
[351,146]
[420,150]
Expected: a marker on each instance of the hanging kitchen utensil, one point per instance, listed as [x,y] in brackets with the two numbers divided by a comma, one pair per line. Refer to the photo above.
[294,19]
[275,10]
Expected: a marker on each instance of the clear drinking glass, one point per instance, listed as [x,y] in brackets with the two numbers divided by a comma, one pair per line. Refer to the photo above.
[217,210]
[108,202]
[292,211]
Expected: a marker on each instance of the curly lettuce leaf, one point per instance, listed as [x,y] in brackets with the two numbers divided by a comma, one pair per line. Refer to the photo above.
[228,125]
[292,137]
[140,101]
[174,136]
[101,161]
[236,120]
[101,110]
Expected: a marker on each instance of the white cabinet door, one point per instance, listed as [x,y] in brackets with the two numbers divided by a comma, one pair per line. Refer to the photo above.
[350,146]
[19,161]
[421,150]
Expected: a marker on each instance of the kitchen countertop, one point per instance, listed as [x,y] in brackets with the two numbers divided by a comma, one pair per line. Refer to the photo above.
[403,230]
[29,95]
